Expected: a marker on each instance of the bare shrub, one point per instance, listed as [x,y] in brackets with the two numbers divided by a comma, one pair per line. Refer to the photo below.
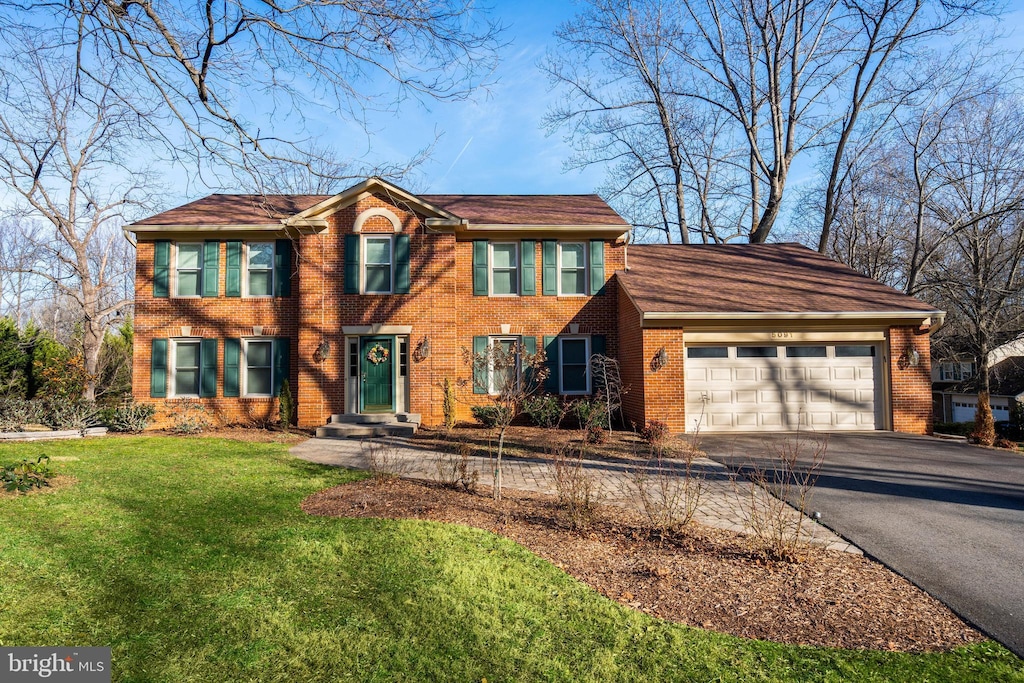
[453,468]
[776,505]
[383,460]
[577,489]
[189,416]
[669,491]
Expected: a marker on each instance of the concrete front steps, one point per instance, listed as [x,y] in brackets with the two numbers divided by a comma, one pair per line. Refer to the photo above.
[363,426]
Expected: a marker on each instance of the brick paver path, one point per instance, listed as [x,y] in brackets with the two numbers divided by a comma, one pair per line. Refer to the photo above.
[722,500]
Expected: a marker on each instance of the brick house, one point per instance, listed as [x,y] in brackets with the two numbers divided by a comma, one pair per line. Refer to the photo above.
[366,300]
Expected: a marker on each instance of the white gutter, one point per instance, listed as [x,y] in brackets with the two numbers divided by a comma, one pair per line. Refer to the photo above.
[808,315]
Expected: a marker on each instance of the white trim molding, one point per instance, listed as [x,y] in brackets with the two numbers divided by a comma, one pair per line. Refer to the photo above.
[376,328]
[374,212]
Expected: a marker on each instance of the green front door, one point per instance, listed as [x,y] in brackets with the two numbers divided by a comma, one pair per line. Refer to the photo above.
[378,376]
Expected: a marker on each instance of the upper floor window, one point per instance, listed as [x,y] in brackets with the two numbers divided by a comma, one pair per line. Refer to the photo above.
[572,268]
[259,265]
[505,268]
[188,270]
[377,265]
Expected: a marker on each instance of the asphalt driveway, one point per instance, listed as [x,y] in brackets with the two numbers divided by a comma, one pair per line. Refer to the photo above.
[946,515]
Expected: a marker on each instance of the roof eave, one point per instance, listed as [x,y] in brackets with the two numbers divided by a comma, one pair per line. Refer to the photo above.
[617,232]
[354,193]
[280,226]
[920,317]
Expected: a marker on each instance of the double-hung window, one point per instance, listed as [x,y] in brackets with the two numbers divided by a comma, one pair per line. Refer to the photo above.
[504,268]
[188,270]
[377,270]
[186,368]
[259,266]
[258,360]
[574,359]
[504,363]
[572,268]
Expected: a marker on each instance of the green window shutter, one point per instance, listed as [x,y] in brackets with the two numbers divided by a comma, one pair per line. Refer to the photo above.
[158,369]
[528,268]
[550,268]
[161,270]
[401,263]
[211,268]
[551,349]
[597,345]
[281,362]
[283,268]
[479,374]
[596,266]
[232,360]
[529,348]
[233,269]
[352,264]
[208,368]
[480,268]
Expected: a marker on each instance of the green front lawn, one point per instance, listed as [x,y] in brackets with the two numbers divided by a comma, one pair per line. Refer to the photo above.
[192,560]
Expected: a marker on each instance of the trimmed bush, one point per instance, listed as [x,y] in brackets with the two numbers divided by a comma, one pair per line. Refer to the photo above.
[129,417]
[15,413]
[64,414]
[545,410]
[489,416]
[655,433]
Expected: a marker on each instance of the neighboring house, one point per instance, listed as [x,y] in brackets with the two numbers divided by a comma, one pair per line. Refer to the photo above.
[368,300]
[955,384]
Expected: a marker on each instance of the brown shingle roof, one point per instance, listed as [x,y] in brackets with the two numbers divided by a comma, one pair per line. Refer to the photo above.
[752,278]
[527,209]
[242,209]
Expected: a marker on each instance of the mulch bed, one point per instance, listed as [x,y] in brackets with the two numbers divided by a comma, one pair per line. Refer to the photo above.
[703,577]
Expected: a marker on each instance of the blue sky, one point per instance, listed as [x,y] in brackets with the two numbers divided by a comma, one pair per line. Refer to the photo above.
[493,143]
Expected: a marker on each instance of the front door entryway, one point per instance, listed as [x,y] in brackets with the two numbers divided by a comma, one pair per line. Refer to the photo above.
[377,375]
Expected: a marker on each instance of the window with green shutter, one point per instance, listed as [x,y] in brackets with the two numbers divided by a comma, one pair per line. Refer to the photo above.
[572,269]
[233,268]
[401,263]
[528,268]
[188,269]
[232,365]
[211,268]
[258,359]
[352,264]
[596,266]
[574,355]
[259,268]
[504,268]
[377,266]
[158,369]
[480,270]
[161,268]
[185,369]
[283,268]
[208,368]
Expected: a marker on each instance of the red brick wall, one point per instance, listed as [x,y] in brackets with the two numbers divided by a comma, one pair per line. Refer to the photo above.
[911,386]
[631,360]
[440,306]
[663,388]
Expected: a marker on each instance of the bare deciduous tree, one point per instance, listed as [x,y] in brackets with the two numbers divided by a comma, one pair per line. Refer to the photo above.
[757,84]
[508,374]
[236,78]
[67,151]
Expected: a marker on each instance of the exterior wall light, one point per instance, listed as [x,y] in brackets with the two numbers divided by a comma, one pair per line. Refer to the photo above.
[911,358]
[660,359]
[322,351]
[422,349]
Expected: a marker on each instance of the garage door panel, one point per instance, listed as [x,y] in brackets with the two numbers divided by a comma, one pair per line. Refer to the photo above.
[744,374]
[782,392]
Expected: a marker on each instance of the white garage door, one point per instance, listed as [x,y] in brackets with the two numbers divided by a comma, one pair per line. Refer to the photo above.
[965,409]
[782,388]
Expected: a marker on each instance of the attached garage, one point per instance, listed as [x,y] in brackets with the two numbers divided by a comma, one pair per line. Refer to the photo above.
[769,337]
[783,387]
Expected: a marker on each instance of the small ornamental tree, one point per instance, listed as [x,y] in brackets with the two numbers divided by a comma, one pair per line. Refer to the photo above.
[608,384]
[984,427]
[508,374]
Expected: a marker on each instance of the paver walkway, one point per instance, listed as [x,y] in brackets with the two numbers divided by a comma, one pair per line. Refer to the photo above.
[721,501]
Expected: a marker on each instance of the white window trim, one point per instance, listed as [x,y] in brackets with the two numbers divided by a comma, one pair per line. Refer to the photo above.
[561,366]
[515,268]
[272,269]
[243,367]
[956,371]
[172,363]
[364,263]
[174,272]
[518,340]
[586,270]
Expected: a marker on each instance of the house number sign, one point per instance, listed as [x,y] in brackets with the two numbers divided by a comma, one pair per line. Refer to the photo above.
[782,335]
